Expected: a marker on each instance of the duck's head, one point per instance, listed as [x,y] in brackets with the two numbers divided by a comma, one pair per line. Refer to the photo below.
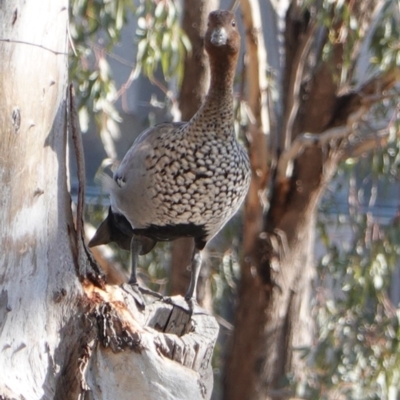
[222,36]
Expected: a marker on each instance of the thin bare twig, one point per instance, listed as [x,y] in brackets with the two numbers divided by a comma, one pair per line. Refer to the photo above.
[114,56]
[234,5]
[13,41]
[71,41]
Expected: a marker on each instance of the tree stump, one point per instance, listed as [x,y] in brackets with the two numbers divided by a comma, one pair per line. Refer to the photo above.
[143,347]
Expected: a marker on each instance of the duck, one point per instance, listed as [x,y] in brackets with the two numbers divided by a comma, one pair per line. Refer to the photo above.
[183,179]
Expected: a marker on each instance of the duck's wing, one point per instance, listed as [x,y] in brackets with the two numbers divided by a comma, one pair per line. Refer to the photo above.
[133,191]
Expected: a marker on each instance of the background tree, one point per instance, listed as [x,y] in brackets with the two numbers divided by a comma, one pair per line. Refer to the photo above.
[326,106]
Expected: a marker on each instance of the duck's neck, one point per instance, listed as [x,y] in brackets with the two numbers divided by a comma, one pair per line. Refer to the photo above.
[216,113]
[222,76]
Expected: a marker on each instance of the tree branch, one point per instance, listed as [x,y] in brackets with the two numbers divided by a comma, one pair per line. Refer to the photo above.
[259,124]
[362,144]
[367,95]
[365,144]
[349,111]
[296,77]
[284,168]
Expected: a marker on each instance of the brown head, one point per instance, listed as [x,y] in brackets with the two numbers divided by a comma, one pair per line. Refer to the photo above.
[222,37]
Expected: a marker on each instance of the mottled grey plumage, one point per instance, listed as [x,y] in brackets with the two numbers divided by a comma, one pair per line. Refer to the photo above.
[184,179]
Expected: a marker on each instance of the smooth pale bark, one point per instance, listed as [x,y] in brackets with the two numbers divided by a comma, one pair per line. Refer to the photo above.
[64,334]
[39,285]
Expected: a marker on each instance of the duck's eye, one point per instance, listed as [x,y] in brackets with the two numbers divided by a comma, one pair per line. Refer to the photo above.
[233,22]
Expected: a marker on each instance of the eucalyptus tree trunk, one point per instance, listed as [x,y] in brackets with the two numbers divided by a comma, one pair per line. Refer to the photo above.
[273,318]
[194,88]
[39,285]
[64,333]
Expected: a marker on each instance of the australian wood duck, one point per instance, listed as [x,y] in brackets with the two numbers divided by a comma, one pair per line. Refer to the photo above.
[184,179]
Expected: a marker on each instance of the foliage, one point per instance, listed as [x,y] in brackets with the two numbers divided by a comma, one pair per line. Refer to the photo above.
[95,29]
[161,39]
[385,45]
[356,355]
[348,28]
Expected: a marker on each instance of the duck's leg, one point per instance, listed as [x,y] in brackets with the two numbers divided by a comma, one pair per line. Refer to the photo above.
[140,245]
[132,287]
[191,293]
[136,249]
